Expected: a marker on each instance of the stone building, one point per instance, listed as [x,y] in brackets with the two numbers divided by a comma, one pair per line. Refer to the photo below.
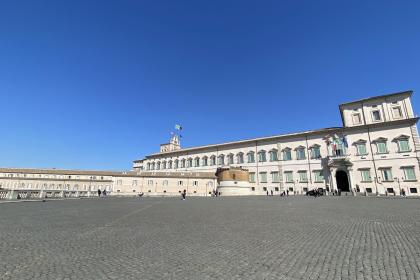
[376,151]
[41,183]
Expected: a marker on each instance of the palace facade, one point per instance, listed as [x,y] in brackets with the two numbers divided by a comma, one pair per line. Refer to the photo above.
[376,151]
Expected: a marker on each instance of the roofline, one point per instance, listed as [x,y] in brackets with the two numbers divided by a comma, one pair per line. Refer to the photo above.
[410,92]
[244,141]
[317,131]
[62,171]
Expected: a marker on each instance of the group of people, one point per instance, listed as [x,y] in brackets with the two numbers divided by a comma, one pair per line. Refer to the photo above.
[103,193]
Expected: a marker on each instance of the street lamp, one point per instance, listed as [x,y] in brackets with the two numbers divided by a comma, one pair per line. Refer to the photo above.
[399,185]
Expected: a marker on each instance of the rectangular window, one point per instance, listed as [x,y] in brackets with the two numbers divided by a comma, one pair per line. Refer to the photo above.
[195,183]
[263,177]
[287,154]
[366,175]
[273,155]
[376,115]
[357,119]
[180,183]
[315,153]
[230,159]
[275,177]
[397,112]
[251,177]
[361,149]
[251,158]
[319,176]
[409,173]
[387,175]
[300,154]
[382,149]
[289,176]
[303,176]
[261,157]
[150,182]
[240,158]
[403,145]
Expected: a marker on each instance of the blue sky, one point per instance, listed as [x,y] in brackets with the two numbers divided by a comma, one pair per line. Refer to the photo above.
[97,84]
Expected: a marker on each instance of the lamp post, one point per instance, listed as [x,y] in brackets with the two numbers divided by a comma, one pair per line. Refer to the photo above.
[399,185]
[376,186]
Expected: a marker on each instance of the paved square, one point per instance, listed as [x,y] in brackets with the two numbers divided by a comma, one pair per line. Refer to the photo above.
[223,238]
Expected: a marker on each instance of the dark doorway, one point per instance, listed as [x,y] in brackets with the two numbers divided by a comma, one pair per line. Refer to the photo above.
[342,181]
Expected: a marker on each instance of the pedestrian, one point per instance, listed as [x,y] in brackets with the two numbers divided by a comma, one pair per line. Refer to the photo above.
[271,192]
[184,194]
[403,193]
[104,192]
[287,192]
[99,192]
[267,193]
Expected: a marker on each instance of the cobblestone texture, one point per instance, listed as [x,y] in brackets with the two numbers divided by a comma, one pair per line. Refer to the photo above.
[223,238]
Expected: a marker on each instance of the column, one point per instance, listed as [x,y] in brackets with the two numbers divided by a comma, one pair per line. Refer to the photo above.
[350,178]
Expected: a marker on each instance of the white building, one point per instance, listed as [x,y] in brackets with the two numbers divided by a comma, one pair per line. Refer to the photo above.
[376,151]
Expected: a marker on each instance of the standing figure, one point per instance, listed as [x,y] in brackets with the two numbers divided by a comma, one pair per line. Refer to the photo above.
[99,192]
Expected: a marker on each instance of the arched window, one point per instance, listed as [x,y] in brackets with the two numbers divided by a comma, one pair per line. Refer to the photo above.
[170,164]
[158,165]
[287,154]
[176,164]
[213,160]
[274,155]
[251,157]
[230,159]
[204,161]
[164,165]
[190,162]
[221,160]
[148,166]
[197,162]
[262,156]
[240,158]
[183,163]
[153,166]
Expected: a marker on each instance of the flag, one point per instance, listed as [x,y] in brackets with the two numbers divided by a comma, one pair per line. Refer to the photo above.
[178,127]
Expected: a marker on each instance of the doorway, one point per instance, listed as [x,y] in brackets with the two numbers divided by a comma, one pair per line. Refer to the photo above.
[342,181]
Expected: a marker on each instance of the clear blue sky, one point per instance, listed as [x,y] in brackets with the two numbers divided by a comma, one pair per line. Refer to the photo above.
[97,84]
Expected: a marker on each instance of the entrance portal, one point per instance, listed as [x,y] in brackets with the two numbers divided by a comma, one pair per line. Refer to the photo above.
[342,181]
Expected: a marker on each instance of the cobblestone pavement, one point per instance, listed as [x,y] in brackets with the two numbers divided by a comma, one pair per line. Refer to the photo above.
[205,238]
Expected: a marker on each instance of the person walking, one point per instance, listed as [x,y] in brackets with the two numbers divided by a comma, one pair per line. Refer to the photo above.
[184,194]
[99,192]
[272,193]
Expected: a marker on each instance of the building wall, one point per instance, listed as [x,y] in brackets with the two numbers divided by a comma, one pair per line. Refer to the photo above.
[118,183]
[388,128]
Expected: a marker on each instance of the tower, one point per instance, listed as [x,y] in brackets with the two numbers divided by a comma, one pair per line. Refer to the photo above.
[173,145]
